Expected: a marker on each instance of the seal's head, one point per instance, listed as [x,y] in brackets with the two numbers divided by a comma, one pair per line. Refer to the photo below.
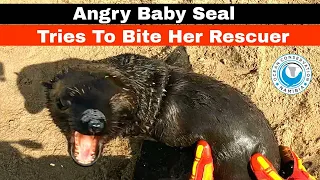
[96,108]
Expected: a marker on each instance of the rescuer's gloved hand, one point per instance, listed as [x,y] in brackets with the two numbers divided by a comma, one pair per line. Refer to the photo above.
[203,163]
[292,167]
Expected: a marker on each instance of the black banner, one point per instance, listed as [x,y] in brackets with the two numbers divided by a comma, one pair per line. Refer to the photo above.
[159,13]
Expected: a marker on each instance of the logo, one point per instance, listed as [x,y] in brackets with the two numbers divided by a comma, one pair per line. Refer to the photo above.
[291,74]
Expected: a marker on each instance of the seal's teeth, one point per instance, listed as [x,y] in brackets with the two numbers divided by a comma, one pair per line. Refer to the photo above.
[85,162]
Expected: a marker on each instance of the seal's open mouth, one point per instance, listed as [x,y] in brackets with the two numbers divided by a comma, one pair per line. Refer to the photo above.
[85,150]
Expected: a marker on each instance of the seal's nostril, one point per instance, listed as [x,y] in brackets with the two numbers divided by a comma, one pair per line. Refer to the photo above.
[95,126]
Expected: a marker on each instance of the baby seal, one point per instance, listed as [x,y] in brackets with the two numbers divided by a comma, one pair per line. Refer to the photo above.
[136,96]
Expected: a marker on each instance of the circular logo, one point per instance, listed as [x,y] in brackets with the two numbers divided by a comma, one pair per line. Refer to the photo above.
[291,74]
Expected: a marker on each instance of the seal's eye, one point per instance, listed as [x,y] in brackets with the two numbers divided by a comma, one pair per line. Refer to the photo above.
[63,105]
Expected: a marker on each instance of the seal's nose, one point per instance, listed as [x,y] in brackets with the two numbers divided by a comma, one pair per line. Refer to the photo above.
[95,126]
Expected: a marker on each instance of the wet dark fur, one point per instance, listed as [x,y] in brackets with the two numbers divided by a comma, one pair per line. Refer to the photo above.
[147,97]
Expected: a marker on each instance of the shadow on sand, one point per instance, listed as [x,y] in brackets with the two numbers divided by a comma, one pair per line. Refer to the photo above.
[159,162]
[15,165]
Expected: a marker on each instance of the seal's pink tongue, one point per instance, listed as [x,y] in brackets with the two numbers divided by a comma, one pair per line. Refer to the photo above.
[86,142]
[85,147]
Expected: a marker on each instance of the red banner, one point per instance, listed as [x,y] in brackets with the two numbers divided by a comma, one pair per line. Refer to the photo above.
[153,35]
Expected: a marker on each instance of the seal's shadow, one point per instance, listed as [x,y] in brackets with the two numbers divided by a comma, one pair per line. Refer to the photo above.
[16,165]
[157,161]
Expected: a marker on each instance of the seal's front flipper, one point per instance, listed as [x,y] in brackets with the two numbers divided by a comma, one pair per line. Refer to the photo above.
[180,58]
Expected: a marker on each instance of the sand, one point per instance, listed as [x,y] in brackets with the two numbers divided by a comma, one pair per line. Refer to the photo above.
[32,147]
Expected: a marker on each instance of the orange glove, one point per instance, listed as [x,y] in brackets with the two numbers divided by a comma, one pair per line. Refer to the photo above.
[203,163]
[264,170]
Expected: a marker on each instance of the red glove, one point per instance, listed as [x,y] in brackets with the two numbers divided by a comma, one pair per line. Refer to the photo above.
[203,163]
[264,170]
[203,168]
